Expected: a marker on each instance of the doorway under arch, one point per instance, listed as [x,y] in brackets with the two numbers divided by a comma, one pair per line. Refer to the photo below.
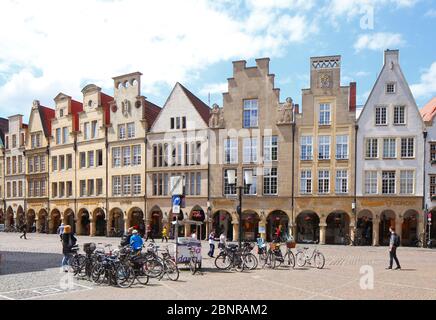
[409,232]
[364,228]
[69,220]
[2,217]
[10,219]
[31,220]
[338,228]
[222,223]
[156,218]
[307,227]
[198,215]
[387,220]
[136,220]
[99,218]
[116,222]
[42,221]
[55,218]
[250,226]
[84,222]
[21,218]
[277,219]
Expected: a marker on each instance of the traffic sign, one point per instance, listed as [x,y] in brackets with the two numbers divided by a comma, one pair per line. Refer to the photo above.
[176,201]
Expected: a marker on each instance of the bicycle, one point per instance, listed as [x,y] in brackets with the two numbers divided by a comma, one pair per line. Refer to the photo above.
[230,257]
[170,266]
[303,258]
[422,238]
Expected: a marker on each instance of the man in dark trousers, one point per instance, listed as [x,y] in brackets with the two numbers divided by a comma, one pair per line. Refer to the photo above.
[394,243]
[24,231]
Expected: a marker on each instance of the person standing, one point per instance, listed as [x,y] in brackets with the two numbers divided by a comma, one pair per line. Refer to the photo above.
[165,234]
[136,241]
[211,244]
[68,242]
[60,230]
[394,243]
[149,234]
[24,231]
[223,241]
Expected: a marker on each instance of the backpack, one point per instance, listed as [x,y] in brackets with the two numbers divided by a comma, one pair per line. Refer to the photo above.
[397,241]
[125,241]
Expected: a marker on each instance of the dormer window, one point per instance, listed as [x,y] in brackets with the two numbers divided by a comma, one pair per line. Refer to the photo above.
[90,103]
[390,87]
[61,112]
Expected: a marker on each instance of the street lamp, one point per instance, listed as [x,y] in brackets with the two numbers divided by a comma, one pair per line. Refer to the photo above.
[248,180]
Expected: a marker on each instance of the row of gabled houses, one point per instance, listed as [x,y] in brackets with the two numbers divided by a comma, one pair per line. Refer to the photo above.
[105,163]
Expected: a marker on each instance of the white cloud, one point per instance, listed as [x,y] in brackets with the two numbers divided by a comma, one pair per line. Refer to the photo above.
[214,88]
[427,85]
[362,74]
[74,42]
[351,8]
[379,41]
[431,13]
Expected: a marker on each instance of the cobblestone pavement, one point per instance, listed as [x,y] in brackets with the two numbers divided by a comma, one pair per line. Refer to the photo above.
[30,270]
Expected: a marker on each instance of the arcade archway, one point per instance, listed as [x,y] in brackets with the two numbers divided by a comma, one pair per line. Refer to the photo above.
[250,226]
[84,223]
[136,220]
[2,217]
[198,215]
[156,218]
[307,227]
[364,228]
[69,220]
[99,218]
[387,219]
[42,226]
[409,228]
[277,219]
[30,220]
[10,219]
[21,218]
[338,228]
[55,219]
[222,223]
[116,222]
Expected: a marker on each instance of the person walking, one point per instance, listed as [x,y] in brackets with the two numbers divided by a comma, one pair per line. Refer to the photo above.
[60,230]
[223,241]
[136,241]
[68,242]
[23,229]
[211,244]
[149,234]
[394,243]
[165,234]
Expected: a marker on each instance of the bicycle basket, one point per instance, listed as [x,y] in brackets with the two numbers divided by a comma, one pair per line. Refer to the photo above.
[291,245]
[89,247]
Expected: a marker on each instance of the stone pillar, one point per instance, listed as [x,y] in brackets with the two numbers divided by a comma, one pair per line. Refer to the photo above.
[353,232]
[235,231]
[79,230]
[108,227]
[207,225]
[187,230]
[92,227]
[38,224]
[50,226]
[322,232]
[126,224]
[375,232]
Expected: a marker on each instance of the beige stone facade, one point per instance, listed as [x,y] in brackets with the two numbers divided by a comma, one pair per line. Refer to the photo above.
[253,131]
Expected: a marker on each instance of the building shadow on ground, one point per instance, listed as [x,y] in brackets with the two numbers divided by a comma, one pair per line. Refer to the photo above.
[24,262]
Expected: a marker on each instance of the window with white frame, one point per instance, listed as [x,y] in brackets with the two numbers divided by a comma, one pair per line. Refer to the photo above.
[250,150]
[69,161]
[342,147]
[252,189]
[99,187]
[126,156]
[94,127]
[407,147]
[341,181]
[432,186]
[82,188]
[228,188]
[90,187]
[270,181]
[388,182]
[136,155]
[116,157]
[65,135]
[30,165]
[372,148]
[198,184]
[270,148]
[324,114]
[231,150]
[323,181]
[407,182]
[389,148]
[69,189]
[371,182]
[131,130]
[86,131]
[381,117]
[82,159]
[306,182]
[61,162]
[432,151]
[42,160]
[136,184]
[116,185]
[324,148]
[192,184]
[306,148]
[121,131]
[251,109]
[154,178]
[166,184]
[390,87]
[54,163]
[126,185]
[399,115]
[58,136]
[36,187]
[179,154]
[91,162]
[198,153]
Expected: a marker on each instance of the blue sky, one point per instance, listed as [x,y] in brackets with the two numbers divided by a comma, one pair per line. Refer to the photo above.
[43,52]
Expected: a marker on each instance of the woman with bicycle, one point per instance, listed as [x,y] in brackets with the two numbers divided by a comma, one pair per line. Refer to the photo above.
[68,242]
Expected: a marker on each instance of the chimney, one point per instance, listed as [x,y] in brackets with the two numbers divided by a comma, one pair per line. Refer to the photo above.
[263,64]
[392,56]
[353,94]
[239,66]
[297,108]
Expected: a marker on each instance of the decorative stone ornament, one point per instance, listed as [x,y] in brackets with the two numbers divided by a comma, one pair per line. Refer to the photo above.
[217,117]
[125,108]
[36,104]
[325,80]
[114,107]
[286,112]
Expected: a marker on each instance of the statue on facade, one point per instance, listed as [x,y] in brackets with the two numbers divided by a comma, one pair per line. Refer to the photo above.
[286,112]
[217,117]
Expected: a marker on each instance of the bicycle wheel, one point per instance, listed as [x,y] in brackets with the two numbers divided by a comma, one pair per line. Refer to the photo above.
[319,260]
[124,276]
[77,264]
[153,268]
[98,273]
[172,271]
[141,275]
[239,263]
[263,259]
[222,261]
[289,259]
[250,261]
[300,259]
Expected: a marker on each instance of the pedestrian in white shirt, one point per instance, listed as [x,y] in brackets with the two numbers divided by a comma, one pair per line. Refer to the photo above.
[211,244]
[223,241]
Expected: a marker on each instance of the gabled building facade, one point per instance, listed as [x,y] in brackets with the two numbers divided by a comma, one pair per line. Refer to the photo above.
[15,175]
[62,167]
[131,118]
[91,161]
[38,138]
[178,146]
[251,133]
[390,159]
[324,156]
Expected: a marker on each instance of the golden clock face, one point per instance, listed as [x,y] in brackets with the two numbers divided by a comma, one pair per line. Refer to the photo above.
[325,81]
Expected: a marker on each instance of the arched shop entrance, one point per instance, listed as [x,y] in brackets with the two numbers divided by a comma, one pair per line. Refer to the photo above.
[198,215]
[409,232]
[2,218]
[307,227]
[222,223]
[275,220]
[156,222]
[387,219]
[100,222]
[250,226]
[30,220]
[55,218]
[116,221]
[364,228]
[69,220]
[21,219]
[137,220]
[10,220]
[42,226]
[85,223]
[338,228]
